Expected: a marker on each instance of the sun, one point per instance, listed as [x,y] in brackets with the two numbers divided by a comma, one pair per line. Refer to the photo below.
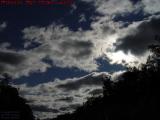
[119,56]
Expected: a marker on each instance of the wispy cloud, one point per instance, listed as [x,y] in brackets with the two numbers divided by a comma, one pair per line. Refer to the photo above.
[3,26]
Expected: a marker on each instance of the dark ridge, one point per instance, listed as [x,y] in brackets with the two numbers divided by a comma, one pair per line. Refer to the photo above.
[12,106]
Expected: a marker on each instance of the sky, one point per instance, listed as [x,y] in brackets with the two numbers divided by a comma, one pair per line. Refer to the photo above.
[58,54]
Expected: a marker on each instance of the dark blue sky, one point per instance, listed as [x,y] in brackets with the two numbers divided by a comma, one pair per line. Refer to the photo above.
[19,17]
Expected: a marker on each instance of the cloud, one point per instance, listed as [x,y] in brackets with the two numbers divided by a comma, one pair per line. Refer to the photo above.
[82,18]
[4,45]
[80,49]
[116,76]
[96,92]
[65,48]
[106,39]
[62,46]
[62,96]
[9,60]
[151,7]
[72,84]
[122,7]
[139,36]
[41,108]
[3,26]
[19,63]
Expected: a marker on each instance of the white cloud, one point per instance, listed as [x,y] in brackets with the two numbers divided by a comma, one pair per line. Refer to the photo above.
[151,6]
[67,48]
[113,7]
[61,96]
[122,7]
[80,49]
[64,47]
[116,76]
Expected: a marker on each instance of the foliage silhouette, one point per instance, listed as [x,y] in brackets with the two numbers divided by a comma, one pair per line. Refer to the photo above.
[12,106]
[136,97]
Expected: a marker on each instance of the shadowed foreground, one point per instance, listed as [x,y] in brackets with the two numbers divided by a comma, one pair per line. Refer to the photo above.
[12,106]
[135,97]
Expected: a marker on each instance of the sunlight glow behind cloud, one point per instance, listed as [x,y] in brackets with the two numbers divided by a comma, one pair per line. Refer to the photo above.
[118,42]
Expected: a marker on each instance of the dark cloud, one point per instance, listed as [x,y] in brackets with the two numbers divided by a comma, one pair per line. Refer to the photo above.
[86,81]
[41,108]
[8,58]
[64,108]
[84,48]
[1,68]
[72,106]
[137,40]
[63,95]
[66,99]
[96,92]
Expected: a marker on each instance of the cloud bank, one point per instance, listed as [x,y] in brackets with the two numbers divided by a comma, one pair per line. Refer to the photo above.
[139,36]
[80,49]
[60,96]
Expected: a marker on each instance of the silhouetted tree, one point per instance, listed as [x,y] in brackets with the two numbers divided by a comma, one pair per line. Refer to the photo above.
[5,78]
[135,97]
[12,106]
